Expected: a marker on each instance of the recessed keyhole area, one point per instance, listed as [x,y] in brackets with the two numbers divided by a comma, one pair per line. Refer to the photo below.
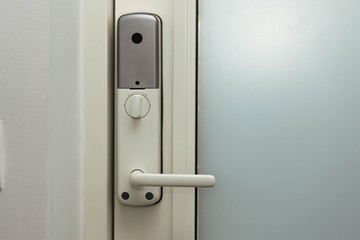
[137,38]
[137,82]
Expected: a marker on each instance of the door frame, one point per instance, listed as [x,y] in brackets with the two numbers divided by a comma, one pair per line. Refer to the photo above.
[97,61]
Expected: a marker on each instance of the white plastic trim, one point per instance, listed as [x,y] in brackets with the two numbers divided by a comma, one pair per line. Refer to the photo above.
[184,115]
[97,33]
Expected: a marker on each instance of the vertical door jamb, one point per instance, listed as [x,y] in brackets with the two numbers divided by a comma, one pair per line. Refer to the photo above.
[97,26]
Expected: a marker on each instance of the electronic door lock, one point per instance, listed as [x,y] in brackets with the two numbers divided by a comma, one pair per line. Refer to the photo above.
[139,114]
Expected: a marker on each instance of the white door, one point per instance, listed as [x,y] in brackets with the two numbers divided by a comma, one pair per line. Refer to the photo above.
[273,114]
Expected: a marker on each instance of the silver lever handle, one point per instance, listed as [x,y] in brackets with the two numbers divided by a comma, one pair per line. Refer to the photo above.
[139,178]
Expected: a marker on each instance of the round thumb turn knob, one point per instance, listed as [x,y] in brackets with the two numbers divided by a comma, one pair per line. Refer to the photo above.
[137,106]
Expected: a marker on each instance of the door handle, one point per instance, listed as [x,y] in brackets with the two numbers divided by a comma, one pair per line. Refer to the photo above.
[139,178]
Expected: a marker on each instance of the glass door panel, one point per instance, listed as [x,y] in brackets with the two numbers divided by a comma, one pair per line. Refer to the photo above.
[279,119]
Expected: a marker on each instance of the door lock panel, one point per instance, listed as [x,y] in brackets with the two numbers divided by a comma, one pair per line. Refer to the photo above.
[139,114]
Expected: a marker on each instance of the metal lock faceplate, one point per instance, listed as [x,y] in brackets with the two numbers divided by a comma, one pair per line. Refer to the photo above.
[139,51]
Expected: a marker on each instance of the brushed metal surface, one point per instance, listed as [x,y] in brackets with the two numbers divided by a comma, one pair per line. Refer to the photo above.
[139,51]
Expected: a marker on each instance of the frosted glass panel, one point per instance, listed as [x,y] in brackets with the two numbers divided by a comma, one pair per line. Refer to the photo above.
[279,119]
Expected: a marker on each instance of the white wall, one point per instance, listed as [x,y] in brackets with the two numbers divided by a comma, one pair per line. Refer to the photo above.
[40,77]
